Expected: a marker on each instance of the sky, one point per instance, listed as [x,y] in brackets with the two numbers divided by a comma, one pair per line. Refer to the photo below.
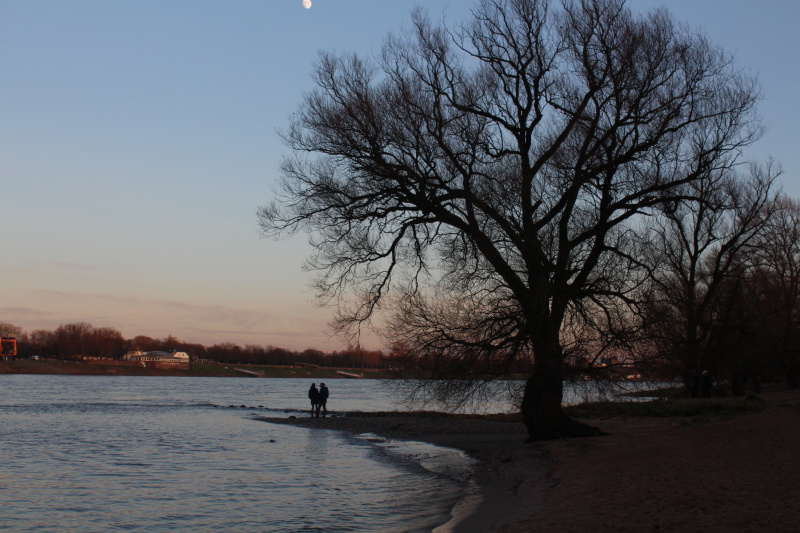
[138,139]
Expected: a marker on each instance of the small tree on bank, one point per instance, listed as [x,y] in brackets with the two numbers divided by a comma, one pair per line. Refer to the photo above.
[509,163]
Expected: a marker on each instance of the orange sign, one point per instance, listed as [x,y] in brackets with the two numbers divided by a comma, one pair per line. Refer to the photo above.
[8,347]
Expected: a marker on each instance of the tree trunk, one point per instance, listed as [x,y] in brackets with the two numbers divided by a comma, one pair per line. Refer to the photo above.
[541,403]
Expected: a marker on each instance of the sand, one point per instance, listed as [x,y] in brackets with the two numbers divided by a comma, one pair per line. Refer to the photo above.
[650,474]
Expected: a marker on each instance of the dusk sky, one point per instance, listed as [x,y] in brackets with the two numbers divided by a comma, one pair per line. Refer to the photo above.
[138,139]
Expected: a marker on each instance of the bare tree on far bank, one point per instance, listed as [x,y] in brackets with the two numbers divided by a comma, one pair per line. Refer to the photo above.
[511,159]
[10,330]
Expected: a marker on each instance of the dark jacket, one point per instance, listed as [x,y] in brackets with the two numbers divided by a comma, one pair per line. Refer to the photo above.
[313,395]
[323,394]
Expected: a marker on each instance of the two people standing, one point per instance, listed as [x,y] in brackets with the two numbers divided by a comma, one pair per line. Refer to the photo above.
[319,399]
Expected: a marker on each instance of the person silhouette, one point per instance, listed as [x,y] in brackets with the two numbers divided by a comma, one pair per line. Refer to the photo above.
[313,395]
[323,400]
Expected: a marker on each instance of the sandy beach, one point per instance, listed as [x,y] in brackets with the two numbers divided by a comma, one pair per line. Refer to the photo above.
[649,474]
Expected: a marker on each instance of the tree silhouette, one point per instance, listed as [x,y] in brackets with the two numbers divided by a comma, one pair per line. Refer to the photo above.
[700,249]
[507,163]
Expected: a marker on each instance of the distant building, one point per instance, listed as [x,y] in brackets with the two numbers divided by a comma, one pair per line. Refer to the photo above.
[173,359]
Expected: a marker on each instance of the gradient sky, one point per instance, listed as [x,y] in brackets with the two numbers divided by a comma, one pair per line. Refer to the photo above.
[138,138]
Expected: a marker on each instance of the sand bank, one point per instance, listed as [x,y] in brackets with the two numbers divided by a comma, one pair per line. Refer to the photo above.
[650,474]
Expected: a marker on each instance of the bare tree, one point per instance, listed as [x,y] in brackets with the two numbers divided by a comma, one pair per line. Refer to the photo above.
[73,341]
[701,247]
[8,329]
[776,289]
[511,158]
[107,342]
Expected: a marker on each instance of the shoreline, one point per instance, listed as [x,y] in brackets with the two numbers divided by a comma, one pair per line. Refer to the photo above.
[114,368]
[649,474]
[504,473]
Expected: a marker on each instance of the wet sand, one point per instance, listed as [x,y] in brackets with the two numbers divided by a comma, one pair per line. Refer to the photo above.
[650,474]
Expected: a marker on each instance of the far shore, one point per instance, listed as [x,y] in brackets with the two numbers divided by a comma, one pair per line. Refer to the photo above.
[679,474]
[98,368]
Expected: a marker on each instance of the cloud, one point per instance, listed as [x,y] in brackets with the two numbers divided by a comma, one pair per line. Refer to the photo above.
[307,4]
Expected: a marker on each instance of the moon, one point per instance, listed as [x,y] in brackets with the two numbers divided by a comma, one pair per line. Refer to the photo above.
[307,4]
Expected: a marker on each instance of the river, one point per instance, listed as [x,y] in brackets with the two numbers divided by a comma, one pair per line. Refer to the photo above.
[148,454]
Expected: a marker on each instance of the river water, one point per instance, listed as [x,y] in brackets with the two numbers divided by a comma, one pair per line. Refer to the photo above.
[89,454]
[148,454]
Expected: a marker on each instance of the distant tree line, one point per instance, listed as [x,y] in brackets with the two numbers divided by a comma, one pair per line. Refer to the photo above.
[80,340]
[351,357]
[68,341]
